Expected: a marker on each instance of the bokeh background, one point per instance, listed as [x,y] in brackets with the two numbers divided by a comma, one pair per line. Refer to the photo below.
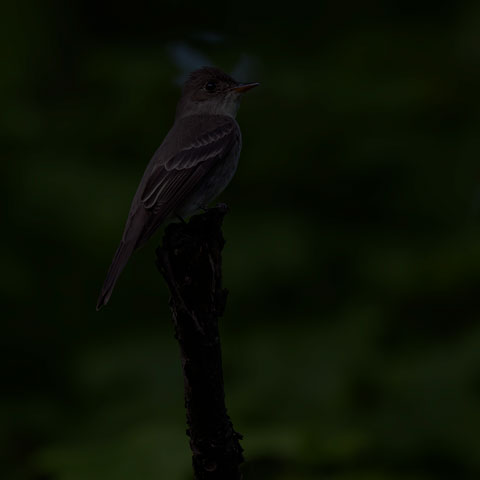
[351,338]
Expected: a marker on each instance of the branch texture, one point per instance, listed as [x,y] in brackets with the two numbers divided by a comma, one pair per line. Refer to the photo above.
[190,259]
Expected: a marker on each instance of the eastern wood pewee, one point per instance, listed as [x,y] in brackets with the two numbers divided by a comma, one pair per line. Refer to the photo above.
[195,162]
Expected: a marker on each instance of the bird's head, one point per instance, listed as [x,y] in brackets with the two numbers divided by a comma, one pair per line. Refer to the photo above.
[211,91]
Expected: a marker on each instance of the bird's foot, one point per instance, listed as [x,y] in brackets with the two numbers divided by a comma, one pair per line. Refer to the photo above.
[179,217]
[219,206]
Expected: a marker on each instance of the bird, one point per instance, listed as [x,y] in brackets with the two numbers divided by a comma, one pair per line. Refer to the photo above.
[195,162]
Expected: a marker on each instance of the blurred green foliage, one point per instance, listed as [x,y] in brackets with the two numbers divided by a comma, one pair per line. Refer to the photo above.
[351,338]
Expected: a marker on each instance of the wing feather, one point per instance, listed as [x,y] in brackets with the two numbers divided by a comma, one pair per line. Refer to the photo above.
[171,181]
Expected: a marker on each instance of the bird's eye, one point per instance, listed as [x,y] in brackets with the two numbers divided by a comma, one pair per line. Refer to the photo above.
[210,86]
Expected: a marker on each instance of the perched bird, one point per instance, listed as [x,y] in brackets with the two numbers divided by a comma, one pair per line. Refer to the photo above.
[195,162]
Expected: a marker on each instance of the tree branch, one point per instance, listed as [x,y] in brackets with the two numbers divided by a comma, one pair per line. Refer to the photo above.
[190,259]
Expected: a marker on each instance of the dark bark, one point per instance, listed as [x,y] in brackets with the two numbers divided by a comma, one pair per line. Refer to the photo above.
[190,260]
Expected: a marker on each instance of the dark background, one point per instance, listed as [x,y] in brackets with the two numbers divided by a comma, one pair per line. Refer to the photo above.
[351,337]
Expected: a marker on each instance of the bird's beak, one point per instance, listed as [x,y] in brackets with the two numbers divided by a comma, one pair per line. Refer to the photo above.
[244,87]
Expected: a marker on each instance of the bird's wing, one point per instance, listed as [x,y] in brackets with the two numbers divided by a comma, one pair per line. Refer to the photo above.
[170,181]
[174,177]
[175,170]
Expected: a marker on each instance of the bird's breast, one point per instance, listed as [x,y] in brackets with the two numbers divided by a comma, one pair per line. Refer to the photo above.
[215,181]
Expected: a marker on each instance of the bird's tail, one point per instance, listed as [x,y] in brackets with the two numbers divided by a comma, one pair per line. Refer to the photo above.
[123,253]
